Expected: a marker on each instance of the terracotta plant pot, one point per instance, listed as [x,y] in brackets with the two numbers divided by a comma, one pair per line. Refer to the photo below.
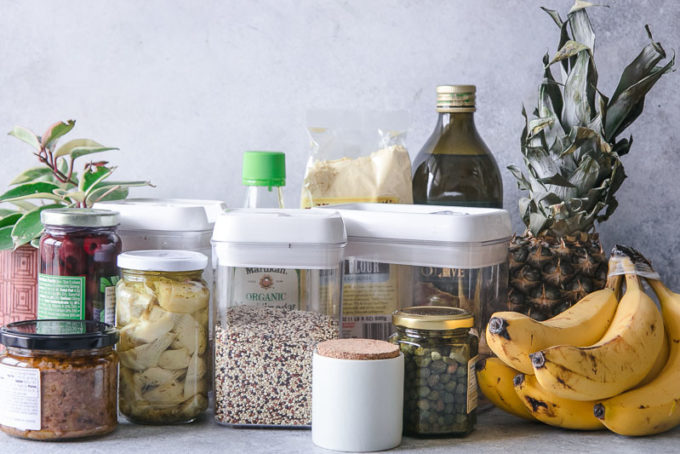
[18,284]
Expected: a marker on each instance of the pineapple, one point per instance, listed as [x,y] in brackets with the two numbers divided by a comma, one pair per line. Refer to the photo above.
[572,156]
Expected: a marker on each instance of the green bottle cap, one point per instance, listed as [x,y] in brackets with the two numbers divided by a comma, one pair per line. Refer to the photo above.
[264,168]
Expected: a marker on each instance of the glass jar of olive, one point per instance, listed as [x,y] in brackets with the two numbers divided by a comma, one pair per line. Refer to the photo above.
[440,350]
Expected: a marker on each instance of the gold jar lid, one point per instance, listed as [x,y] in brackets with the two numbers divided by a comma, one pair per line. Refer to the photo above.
[456,98]
[438,318]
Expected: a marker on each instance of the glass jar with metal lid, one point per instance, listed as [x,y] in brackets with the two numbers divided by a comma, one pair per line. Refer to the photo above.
[162,311]
[440,350]
[78,272]
[58,379]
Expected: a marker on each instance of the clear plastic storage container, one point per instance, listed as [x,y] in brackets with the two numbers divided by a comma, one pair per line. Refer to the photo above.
[277,293]
[421,255]
[162,313]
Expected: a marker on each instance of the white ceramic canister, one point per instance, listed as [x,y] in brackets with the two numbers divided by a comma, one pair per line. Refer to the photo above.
[357,395]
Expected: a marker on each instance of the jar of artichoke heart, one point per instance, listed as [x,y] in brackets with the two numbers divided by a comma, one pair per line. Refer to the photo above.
[440,388]
[58,379]
[162,311]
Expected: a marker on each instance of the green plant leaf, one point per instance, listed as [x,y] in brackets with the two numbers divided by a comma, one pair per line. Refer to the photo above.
[81,147]
[6,237]
[35,242]
[28,189]
[91,178]
[10,219]
[31,174]
[27,136]
[5,212]
[24,205]
[54,132]
[39,196]
[78,196]
[107,192]
[29,226]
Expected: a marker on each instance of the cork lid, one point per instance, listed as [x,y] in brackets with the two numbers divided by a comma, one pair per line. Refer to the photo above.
[362,349]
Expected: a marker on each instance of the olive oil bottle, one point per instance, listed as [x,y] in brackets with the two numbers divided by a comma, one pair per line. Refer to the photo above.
[455,167]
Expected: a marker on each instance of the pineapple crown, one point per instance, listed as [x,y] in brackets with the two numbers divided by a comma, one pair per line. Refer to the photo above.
[570,146]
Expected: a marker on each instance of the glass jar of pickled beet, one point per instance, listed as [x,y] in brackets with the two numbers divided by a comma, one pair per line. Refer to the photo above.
[78,271]
[440,387]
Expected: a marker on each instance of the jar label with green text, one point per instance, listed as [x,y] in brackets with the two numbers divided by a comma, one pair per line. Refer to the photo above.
[267,287]
[61,297]
[107,290]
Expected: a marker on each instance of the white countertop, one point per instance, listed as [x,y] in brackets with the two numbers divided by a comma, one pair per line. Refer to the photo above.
[495,432]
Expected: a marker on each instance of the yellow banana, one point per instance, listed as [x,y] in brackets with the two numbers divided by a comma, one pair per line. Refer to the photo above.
[654,407]
[495,381]
[554,410]
[513,336]
[659,363]
[617,362]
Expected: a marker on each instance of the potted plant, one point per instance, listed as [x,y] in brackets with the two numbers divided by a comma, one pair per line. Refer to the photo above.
[53,184]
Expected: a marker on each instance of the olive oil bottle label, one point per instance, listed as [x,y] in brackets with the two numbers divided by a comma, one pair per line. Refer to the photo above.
[20,397]
[61,297]
[472,384]
[370,295]
[267,287]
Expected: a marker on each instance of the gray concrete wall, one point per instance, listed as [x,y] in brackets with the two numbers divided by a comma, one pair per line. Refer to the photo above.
[183,87]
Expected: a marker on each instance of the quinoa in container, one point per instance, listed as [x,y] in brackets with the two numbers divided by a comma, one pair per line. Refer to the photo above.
[277,291]
[58,379]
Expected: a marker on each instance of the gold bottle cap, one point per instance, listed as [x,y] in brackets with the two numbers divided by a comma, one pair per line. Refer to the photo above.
[456,98]
[439,318]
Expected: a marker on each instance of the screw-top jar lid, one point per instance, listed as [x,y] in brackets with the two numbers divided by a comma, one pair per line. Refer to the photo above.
[264,168]
[456,98]
[79,217]
[162,260]
[438,318]
[58,335]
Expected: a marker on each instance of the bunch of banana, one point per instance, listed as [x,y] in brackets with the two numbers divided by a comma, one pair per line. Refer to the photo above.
[604,362]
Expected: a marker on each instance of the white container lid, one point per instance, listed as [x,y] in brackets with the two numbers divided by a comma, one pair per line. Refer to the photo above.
[426,235]
[162,260]
[438,223]
[182,215]
[282,226]
[291,238]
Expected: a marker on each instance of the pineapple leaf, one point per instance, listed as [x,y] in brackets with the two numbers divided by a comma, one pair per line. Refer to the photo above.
[642,66]
[557,180]
[581,28]
[526,208]
[576,110]
[627,106]
[537,222]
[555,16]
[522,183]
[570,49]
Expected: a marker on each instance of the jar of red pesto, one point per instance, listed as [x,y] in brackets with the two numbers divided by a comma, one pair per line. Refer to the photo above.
[78,272]
[58,379]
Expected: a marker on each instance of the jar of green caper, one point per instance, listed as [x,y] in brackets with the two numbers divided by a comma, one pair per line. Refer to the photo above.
[440,351]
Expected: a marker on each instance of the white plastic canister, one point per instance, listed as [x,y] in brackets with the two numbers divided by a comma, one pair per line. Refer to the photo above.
[277,293]
[411,255]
